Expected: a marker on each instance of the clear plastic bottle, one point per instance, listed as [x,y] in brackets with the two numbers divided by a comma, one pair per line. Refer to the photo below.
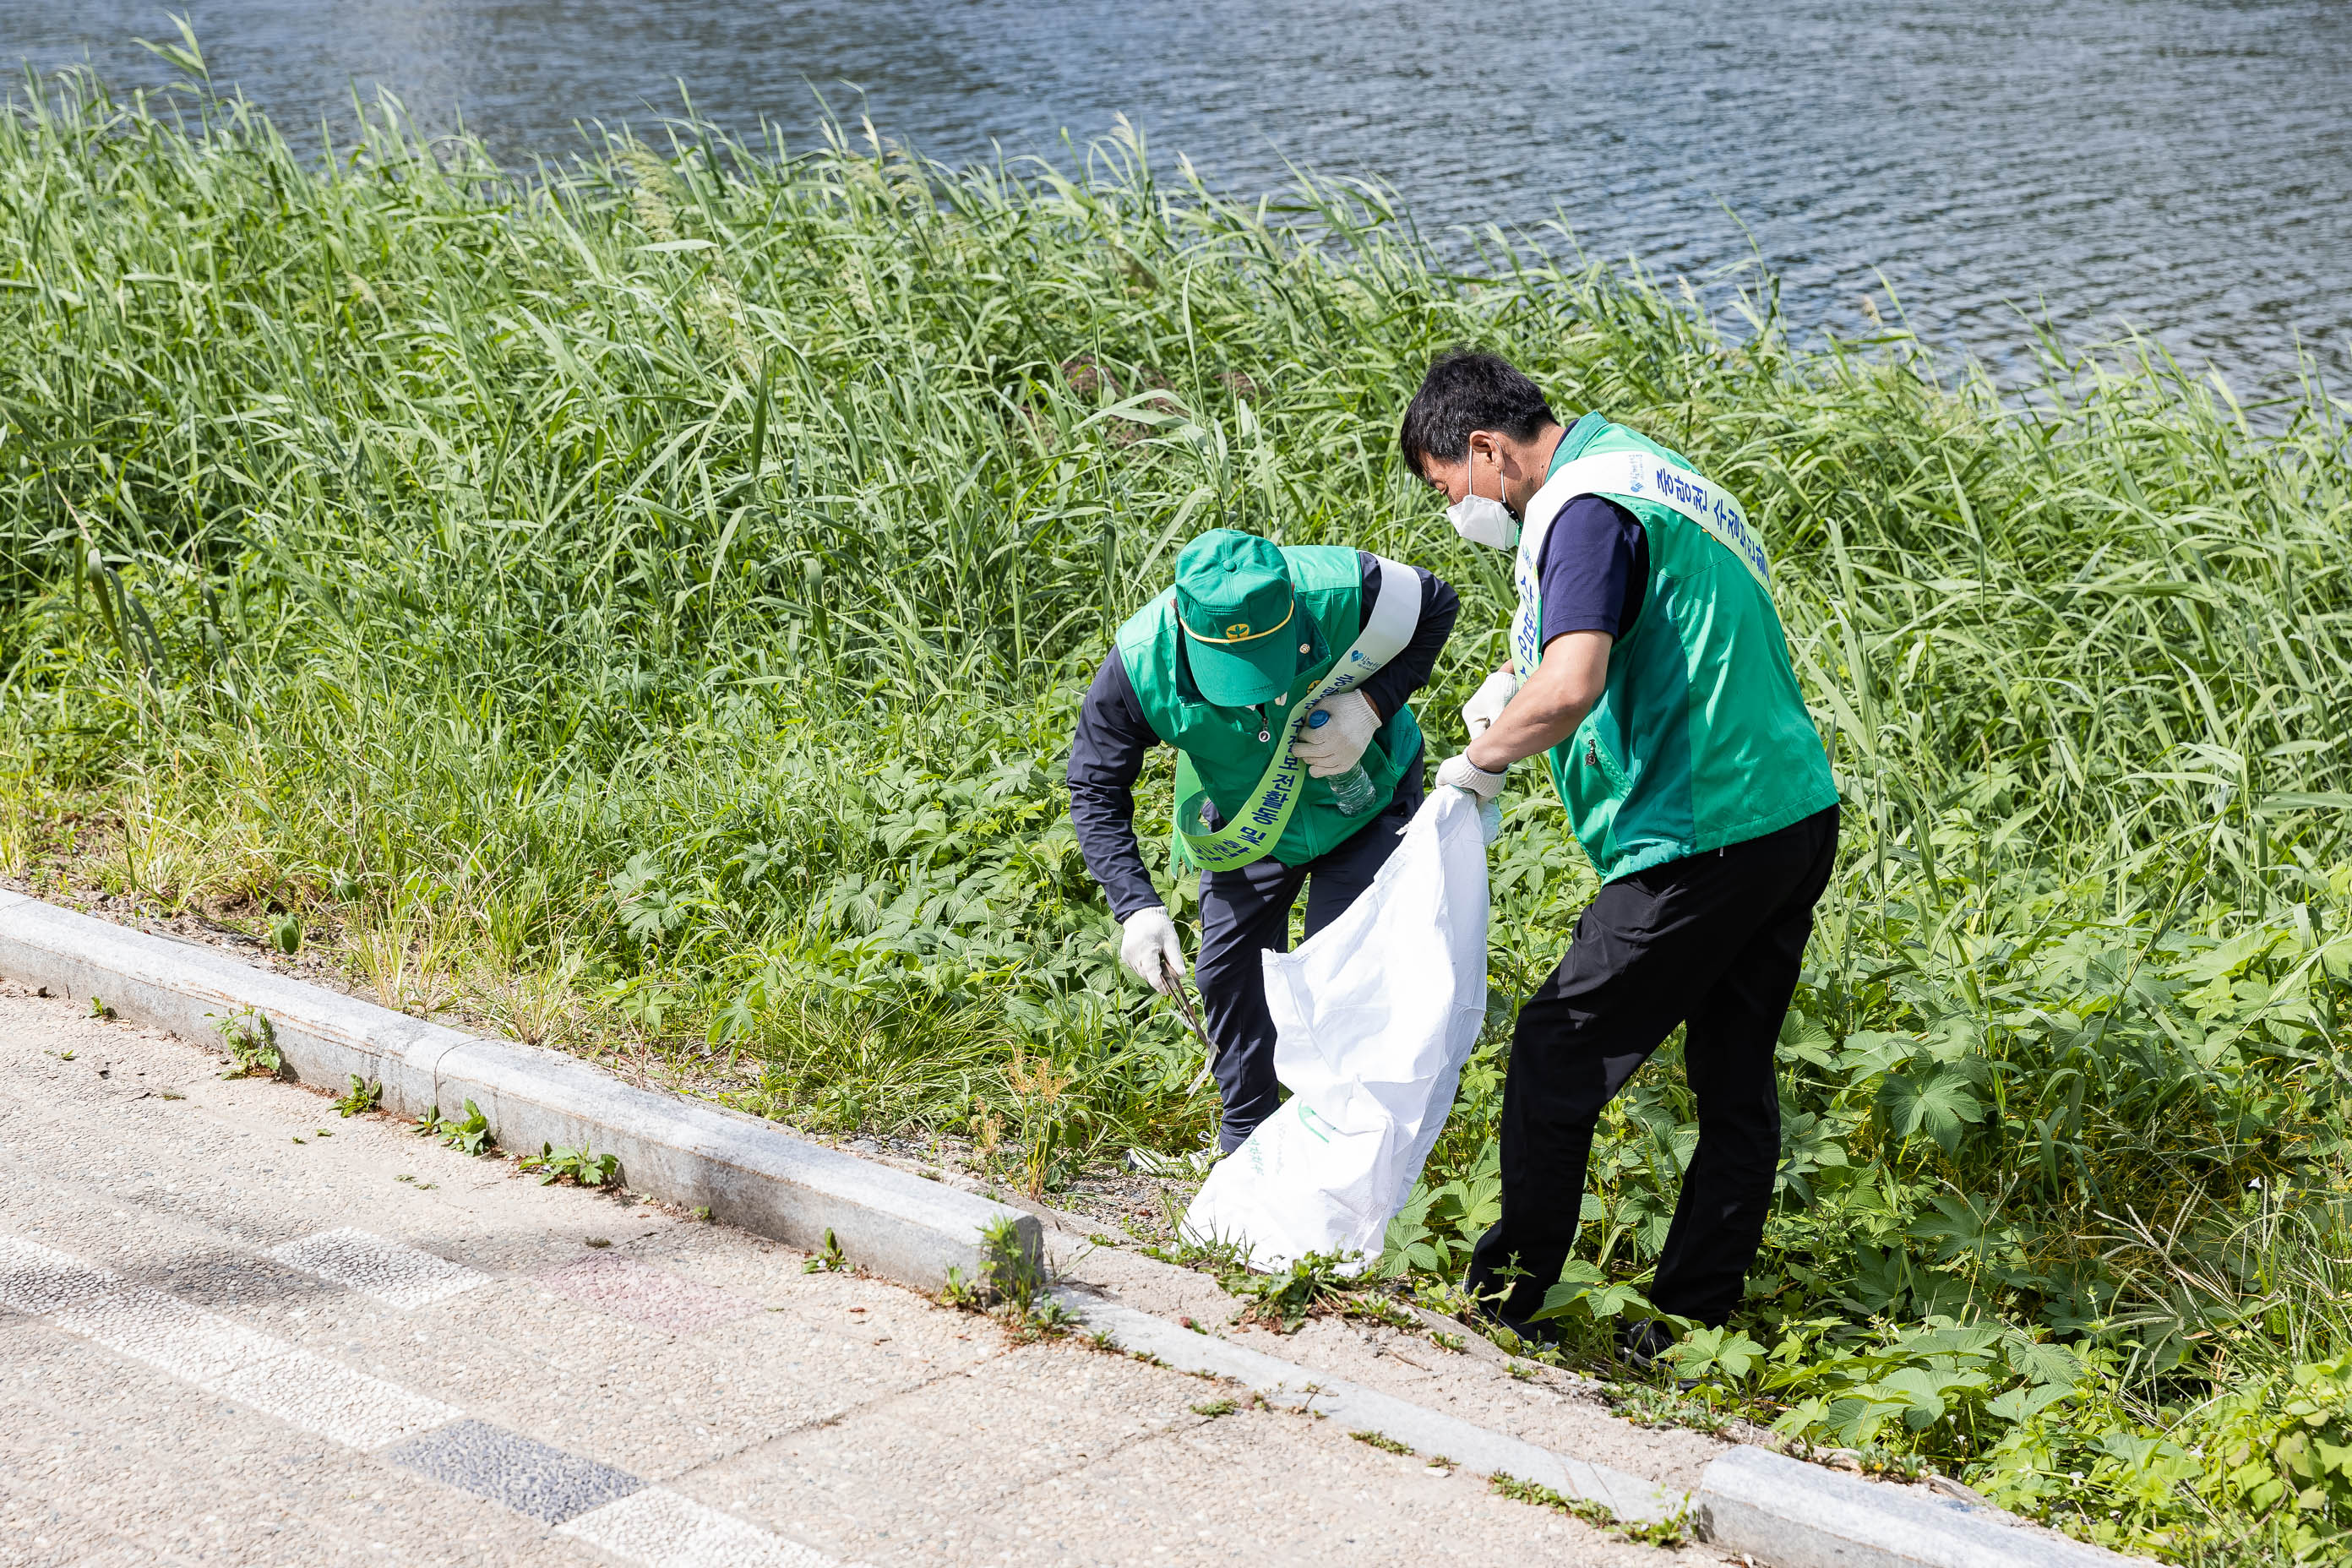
[1352,791]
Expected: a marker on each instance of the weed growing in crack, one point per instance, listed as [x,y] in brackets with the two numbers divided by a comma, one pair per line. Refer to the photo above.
[830,1259]
[1319,1284]
[1672,1531]
[1285,1300]
[469,1134]
[579,1166]
[1012,1287]
[252,1042]
[1011,1268]
[959,1290]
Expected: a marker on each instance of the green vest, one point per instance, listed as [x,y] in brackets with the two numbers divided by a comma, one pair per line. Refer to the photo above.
[1221,747]
[1700,738]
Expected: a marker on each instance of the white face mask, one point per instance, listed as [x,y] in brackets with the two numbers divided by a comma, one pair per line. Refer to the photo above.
[1483,520]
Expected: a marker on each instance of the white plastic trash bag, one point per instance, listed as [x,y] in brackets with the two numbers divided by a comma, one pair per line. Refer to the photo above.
[1373,1018]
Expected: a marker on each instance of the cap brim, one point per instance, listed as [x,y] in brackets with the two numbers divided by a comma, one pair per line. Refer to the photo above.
[1243,674]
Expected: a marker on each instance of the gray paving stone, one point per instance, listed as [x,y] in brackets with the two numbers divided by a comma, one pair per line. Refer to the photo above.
[35,1532]
[392,1272]
[918,1468]
[167,1333]
[160,1158]
[193,1264]
[618,1391]
[33,1279]
[657,1526]
[525,1475]
[164,1251]
[1258,1487]
[326,1397]
[114,1452]
[647,1295]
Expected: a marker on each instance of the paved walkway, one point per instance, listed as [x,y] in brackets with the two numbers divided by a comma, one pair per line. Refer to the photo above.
[237,1328]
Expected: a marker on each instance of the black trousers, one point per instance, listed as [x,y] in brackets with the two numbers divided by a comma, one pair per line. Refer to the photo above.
[1246,911]
[1714,941]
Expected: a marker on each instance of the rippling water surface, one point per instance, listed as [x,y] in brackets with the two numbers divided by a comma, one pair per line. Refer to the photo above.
[2177,167]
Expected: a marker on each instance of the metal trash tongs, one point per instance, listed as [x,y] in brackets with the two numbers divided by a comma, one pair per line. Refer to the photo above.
[1184,1005]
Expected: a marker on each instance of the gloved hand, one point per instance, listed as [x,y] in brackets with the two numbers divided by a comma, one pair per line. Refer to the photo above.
[1487,704]
[1464,774]
[1335,746]
[1151,940]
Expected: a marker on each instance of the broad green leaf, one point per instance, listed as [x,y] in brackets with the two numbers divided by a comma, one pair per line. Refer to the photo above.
[2023,1403]
[1939,1106]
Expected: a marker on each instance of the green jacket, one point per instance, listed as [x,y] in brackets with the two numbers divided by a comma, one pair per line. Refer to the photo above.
[1700,738]
[1221,751]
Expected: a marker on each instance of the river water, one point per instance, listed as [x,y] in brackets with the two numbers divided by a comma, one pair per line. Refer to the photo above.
[2180,168]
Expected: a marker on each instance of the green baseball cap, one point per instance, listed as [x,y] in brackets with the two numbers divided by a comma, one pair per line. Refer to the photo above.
[1241,624]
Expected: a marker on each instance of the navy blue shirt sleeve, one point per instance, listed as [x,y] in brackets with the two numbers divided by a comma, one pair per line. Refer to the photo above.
[1393,684]
[1596,569]
[1106,758]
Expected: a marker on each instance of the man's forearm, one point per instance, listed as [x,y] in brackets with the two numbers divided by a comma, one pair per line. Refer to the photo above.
[1553,703]
[1526,731]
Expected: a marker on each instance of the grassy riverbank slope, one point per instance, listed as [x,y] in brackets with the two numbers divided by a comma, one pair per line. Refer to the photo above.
[643,606]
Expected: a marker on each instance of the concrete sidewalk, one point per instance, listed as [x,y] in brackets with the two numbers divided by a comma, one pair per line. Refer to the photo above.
[237,1328]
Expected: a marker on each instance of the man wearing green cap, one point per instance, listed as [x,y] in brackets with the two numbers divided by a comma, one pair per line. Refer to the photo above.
[1277,672]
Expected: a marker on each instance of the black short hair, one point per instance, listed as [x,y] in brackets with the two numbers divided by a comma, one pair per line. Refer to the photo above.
[1464,391]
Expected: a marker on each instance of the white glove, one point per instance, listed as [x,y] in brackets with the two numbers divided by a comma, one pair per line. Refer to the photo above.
[1334,747]
[1487,704]
[1150,944]
[1464,774]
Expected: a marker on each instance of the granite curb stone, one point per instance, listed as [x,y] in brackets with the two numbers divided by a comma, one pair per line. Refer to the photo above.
[748,1173]
[1792,1514]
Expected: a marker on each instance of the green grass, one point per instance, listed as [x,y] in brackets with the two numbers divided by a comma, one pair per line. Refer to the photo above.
[1672,1531]
[641,606]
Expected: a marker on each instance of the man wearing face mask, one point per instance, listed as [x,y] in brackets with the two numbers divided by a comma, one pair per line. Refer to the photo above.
[1279,674]
[1650,669]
